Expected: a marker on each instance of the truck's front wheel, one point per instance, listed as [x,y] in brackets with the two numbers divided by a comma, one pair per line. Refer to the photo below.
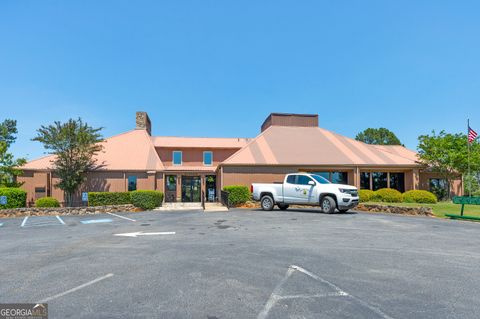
[328,205]
[267,202]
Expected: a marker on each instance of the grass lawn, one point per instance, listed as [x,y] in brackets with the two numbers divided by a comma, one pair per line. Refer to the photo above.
[441,208]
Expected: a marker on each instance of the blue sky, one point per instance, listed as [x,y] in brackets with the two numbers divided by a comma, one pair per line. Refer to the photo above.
[218,68]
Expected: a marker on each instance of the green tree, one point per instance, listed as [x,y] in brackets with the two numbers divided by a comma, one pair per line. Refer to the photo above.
[378,136]
[74,145]
[447,154]
[9,166]
[471,184]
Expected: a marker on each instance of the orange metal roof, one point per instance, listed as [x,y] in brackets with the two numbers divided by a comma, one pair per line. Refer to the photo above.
[203,142]
[132,150]
[281,145]
[316,146]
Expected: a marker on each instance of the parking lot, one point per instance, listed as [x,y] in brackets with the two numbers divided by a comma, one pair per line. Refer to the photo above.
[242,264]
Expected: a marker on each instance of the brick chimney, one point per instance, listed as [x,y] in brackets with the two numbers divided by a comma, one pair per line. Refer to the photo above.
[290,119]
[143,122]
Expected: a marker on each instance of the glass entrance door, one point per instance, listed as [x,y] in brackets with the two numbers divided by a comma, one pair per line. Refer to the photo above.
[211,188]
[171,188]
[191,188]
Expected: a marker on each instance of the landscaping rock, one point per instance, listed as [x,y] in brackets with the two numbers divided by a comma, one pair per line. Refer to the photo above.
[52,211]
[401,210]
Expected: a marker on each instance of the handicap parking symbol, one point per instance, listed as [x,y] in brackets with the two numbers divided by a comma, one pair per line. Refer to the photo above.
[3,200]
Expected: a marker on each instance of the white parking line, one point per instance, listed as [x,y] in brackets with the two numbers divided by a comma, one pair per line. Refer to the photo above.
[276,294]
[119,216]
[24,221]
[60,220]
[75,289]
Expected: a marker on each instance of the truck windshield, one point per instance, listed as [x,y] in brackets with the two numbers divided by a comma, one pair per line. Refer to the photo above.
[320,179]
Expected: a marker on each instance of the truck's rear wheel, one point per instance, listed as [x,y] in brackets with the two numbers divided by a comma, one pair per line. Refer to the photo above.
[327,204]
[282,206]
[267,202]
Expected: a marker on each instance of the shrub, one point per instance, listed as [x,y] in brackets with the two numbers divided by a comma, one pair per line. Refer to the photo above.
[16,197]
[365,195]
[237,194]
[388,195]
[47,202]
[108,198]
[419,196]
[146,199]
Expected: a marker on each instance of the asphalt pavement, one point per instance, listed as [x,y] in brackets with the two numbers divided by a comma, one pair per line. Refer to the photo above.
[242,264]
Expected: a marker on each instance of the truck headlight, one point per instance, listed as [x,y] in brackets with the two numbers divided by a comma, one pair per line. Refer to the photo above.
[343,190]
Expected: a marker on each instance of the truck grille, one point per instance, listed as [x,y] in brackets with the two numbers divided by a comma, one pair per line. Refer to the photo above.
[352,192]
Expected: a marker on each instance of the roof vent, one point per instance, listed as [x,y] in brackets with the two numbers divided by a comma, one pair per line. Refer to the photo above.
[290,119]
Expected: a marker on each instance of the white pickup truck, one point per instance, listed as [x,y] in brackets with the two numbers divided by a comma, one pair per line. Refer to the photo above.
[306,189]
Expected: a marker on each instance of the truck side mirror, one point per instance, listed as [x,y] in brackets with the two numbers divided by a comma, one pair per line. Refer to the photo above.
[311,183]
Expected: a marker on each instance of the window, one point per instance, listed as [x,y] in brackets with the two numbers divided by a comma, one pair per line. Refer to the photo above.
[171,183]
[177,157]
[365,180]
[40,192]
[439,187]
[325,175]
[334,177]
[397,181]
[132,183]
[208,158]
[320,179]
[303,179]
[339,178]
[291,179]
[379,180]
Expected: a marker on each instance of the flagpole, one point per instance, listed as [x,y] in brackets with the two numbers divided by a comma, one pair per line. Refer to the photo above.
[469,177]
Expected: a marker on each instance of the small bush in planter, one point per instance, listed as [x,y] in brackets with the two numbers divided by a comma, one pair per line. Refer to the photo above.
[237,194]
[47,202]
[146,199]
[388,195]
[365,195]
[419,196]
[16,197]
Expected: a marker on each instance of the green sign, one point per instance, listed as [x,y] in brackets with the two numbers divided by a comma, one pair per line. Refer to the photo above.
[466,200]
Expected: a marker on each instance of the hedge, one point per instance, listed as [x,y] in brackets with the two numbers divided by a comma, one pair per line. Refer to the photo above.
[237,194]
[366,195]
[108,198]
[16,197]
[388,195]
[146,199]
[47,202]
[419,196]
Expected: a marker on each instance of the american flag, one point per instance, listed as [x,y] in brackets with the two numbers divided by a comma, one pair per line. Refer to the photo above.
[472,135]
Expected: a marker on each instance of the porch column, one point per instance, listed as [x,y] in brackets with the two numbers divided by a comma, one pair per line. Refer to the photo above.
[179,188]
[416,179]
